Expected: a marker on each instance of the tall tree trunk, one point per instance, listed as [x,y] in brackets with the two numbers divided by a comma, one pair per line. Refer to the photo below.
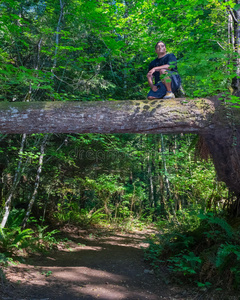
[235,14]
[167,183]
[37,180]
[150,178]
[14,185]
[57,35]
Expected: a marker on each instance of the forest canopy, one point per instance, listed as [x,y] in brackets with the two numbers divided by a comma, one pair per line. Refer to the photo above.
[100,50]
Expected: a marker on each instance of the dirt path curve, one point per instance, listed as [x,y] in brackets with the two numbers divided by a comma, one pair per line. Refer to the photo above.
[95,265]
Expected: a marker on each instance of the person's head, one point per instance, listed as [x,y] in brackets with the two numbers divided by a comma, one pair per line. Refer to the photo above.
[160,48]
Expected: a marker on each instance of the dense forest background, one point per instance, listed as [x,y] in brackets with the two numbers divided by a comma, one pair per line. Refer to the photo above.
[73,50]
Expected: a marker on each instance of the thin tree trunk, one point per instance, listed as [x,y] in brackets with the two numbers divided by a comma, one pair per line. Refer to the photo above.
[37,180]
[151,198]
[14,185]
[236,18]
[230,30]
[154,155]
[157,186]
[166,183]
[132,199]
[57,35]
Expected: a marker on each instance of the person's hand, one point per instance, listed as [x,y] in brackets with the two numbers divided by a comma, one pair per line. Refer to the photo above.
[154,88]
[150,73]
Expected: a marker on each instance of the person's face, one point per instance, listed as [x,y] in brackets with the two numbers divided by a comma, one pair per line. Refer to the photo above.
[160,48]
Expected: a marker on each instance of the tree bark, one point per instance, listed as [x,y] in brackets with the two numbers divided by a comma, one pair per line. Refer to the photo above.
[236,18]
[128,116]
[16,179]
[37,181]
[57,35]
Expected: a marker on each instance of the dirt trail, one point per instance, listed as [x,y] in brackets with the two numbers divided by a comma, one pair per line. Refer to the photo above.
[96,265]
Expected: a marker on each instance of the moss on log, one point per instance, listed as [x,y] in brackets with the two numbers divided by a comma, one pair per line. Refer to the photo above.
[128,116]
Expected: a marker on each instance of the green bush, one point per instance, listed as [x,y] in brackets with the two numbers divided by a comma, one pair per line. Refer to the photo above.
[71,213]
[14,238]
[209,254]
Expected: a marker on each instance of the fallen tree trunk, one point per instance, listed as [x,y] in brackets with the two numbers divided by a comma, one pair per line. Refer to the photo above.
[129,116]
[218,124]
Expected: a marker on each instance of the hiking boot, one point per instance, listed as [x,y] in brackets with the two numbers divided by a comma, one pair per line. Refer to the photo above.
[169,95]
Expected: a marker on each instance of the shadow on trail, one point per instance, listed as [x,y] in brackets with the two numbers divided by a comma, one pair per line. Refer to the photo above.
[110,267]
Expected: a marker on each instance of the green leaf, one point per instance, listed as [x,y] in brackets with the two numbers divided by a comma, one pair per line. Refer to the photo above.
[236,7]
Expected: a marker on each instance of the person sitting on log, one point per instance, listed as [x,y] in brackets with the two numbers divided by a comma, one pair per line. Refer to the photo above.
[164,70]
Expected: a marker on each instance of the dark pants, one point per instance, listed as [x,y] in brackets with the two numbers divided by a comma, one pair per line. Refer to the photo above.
[162,90]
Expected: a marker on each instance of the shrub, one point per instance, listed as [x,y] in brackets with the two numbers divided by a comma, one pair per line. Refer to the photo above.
[208,254]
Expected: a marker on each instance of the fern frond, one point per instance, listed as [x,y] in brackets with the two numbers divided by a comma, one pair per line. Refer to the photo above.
[224,253]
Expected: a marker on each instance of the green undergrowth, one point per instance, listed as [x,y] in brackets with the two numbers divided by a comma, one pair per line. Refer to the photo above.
[39,236]
[16,241]
[85,218]
[203,248]
[71,213]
